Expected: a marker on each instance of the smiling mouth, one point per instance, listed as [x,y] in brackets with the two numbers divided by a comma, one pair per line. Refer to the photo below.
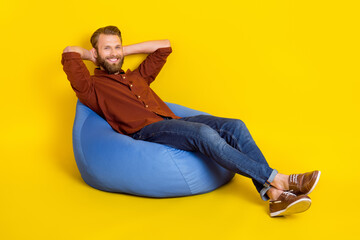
[113,60]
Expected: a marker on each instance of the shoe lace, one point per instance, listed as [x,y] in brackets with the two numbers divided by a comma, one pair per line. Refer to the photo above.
[294,178]
[286,195]
[289,194]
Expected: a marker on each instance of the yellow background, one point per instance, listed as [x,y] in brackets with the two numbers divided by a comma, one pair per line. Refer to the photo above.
[288,69]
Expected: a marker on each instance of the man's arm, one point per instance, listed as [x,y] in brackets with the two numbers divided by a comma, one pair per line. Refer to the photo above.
[138,48]
[76,71]
[84,53]
[159,51]
[145,47]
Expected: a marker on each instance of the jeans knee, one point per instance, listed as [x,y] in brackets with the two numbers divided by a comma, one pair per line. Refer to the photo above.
[206,132]
[208,140]
[238,124]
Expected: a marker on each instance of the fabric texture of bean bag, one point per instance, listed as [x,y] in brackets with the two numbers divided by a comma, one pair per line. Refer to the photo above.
[114,162]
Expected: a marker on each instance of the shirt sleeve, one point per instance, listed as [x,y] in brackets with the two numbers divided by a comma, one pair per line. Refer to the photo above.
[153,63]
[77,73]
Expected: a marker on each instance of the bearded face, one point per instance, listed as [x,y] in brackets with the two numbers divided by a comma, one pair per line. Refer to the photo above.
[112,64]
[109,53]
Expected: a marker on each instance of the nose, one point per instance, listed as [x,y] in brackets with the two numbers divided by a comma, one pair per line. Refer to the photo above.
[114,52]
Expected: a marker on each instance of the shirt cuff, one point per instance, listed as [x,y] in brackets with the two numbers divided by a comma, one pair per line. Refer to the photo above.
[164,50]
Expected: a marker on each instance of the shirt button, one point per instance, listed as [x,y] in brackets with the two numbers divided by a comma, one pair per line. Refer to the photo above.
[138,96]
[124,77]
[146,106]
[131,85]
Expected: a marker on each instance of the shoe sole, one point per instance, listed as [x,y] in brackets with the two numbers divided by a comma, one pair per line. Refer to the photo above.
[298,206]
[316,181]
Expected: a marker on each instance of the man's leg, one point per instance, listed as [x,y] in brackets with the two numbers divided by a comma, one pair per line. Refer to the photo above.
[195,136]
[235,133]
[238,136]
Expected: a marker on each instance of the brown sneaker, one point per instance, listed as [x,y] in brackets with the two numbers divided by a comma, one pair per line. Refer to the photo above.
[289,203]
[303,184]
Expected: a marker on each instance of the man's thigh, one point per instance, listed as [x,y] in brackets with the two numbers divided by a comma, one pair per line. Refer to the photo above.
[174,132]
[217,123]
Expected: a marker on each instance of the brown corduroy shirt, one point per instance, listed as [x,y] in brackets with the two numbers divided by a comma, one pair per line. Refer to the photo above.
[125,100]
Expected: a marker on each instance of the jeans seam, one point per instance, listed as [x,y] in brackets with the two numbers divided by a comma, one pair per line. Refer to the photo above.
[246,170]
[234,138]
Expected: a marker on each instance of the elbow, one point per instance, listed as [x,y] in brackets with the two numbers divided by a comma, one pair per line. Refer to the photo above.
[167,43]
[163,43]
[68,49]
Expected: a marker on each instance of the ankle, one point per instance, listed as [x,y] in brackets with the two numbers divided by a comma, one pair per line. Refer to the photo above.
[274,193]
[281,182]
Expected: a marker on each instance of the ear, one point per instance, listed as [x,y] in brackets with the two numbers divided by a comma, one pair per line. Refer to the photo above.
[94,52]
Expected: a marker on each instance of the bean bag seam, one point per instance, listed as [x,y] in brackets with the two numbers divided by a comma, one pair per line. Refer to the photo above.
[187,184]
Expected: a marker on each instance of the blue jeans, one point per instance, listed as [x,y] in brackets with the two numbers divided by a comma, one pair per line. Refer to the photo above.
[226,141]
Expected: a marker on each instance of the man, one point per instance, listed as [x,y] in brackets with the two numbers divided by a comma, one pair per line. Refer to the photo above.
[129,105]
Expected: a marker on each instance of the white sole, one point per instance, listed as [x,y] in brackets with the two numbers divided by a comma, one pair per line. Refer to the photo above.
[298,206]
[317,180]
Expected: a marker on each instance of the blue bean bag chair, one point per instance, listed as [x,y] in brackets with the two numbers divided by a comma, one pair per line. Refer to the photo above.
[114,162]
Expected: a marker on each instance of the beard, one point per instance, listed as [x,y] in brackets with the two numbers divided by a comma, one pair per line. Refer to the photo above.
[111,68]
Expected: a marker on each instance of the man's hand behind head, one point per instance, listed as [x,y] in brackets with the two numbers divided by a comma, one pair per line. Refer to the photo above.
[84,53]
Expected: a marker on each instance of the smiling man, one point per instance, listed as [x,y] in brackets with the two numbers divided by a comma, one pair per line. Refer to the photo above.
[110,61]
[126,101]
[111,56]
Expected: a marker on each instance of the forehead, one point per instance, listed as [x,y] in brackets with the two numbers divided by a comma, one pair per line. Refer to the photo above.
[105,39]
